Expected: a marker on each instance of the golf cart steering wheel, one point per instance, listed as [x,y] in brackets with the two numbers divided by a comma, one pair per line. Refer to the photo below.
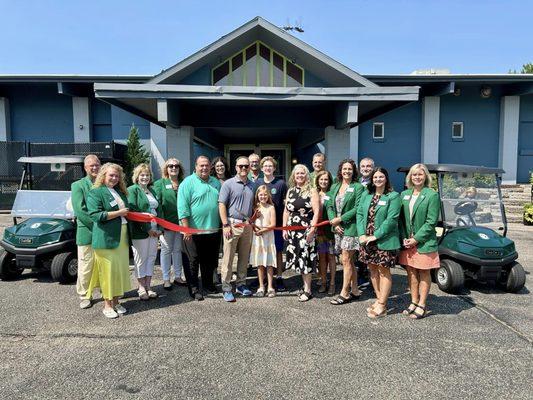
[465,207]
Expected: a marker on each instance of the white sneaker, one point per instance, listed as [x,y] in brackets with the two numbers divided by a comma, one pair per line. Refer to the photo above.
[86,303]
[110,313]
[120,309]
[151,294]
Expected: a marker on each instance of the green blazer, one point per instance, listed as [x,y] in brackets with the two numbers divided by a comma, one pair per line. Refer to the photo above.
[386,216]
[168,200]
[84,224]
[139,202]
[421,225]
[106,234]
[352,197]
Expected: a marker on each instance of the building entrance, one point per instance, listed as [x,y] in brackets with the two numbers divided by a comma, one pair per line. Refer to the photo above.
[280,152]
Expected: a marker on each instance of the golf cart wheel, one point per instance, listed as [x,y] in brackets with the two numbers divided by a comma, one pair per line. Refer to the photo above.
[8,266]
[450,276]
[513,278]
[64,268]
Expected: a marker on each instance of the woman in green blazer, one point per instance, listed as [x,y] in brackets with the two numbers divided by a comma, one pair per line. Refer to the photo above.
[377,225]
[107,205]
[325,239]
[342,208]
[142,198]
[166,190]
[420,213]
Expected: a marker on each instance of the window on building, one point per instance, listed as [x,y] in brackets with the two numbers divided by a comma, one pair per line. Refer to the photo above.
[457,131]
[258,65]
[378,131]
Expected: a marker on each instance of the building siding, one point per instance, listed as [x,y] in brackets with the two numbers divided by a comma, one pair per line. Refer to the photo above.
[101,120]
[39,113]
[122,121]
[525,139]
[481,119]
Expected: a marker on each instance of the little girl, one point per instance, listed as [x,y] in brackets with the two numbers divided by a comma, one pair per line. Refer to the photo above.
[263,253]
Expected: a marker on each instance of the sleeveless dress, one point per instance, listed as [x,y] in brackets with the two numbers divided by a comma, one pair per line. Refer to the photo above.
[300,256]
[370,253]
[263,251]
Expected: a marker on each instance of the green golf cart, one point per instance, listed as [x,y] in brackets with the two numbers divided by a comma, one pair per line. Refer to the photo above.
[473,228]
[45,238]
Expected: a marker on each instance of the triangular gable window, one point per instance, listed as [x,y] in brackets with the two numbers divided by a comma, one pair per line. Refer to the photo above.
[258,65]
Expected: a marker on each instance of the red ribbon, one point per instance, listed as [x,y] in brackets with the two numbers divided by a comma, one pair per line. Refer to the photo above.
[148,218]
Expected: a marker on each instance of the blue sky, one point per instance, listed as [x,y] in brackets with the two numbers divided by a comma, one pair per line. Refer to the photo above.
[371,37]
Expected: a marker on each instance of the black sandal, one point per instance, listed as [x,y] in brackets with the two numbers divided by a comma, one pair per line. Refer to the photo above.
[305,296]
[339,300]
[408,310]
[416,315]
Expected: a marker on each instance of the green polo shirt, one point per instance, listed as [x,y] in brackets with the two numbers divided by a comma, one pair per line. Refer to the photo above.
[198,202]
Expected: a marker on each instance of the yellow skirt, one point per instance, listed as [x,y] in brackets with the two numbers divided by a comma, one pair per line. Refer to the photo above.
[111,269]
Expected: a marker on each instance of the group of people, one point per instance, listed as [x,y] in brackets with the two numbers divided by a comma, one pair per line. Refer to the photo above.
[256,216]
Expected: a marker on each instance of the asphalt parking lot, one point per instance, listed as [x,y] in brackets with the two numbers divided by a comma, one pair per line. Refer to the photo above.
[478,345]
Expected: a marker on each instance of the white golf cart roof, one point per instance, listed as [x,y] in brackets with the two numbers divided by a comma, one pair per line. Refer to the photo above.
[69,159]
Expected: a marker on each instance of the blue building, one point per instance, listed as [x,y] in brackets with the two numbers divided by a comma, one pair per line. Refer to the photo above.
[260,89]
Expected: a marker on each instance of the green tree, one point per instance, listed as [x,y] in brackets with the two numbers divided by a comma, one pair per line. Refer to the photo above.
[135,154]
[526,69]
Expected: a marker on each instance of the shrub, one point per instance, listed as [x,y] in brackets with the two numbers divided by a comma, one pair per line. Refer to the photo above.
[528,214]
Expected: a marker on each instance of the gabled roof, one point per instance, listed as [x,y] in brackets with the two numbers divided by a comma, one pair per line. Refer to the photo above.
[318,63]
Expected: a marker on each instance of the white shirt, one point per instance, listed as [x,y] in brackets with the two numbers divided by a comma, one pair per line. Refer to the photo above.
[120,203]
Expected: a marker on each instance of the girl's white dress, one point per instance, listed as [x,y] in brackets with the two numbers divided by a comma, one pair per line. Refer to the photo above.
[264,247]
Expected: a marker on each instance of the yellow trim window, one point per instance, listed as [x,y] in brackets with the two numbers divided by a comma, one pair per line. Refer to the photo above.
[258,65]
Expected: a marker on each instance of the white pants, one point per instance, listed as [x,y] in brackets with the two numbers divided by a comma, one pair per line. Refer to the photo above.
[144,255]
[171,245]
[85,270]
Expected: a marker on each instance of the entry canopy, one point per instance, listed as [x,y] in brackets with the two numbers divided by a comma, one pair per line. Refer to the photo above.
[333,94]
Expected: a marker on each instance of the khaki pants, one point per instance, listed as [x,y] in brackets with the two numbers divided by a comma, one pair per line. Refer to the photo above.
[85,270]
[240,243]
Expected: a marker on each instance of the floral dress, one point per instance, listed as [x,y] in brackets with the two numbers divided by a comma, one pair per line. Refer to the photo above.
[369,253]
[301,256]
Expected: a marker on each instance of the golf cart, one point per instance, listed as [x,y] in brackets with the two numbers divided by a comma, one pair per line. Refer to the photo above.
[46,238]
[472,229]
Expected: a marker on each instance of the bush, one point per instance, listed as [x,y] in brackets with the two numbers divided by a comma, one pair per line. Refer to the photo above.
[528,214]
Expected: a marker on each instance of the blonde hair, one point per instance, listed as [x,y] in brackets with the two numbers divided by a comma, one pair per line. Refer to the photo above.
[306,188]
[100,178]
[427,182]
[269,158]
[138,170]
[262,188]
[164,169]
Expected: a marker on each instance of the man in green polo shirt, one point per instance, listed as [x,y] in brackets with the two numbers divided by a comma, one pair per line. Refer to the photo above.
[198,208]
[84,225]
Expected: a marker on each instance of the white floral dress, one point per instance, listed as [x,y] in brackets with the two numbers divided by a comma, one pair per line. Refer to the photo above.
[301,256]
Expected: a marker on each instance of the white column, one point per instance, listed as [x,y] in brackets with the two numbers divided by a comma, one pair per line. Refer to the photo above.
[354,144]
[508,146]
[82,119]
[337,146]
[430,130]
[158,148]
[5,127]
[180,145]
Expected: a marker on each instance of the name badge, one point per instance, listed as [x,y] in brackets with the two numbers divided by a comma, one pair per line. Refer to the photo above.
[169,186]
[113,203]
[349,190]
[326,197]
[382,203]
[406,197]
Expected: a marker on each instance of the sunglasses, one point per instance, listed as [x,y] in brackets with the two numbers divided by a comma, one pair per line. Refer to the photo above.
[244,166]
[173,166]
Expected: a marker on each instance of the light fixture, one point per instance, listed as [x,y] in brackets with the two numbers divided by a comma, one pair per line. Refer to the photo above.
[294,161]
[485,92]
[81,126]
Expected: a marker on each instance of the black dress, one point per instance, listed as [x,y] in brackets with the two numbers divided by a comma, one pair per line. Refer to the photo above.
[301,256]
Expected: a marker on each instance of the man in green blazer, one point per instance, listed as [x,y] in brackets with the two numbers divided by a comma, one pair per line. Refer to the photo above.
[84,224]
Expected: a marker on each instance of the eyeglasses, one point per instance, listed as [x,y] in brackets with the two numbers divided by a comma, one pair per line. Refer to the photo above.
[244,166]
[173,166]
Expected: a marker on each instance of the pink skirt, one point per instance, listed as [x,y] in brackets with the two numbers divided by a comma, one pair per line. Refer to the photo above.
[412,258]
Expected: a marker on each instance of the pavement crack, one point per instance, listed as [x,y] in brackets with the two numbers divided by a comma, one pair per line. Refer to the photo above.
[523,336]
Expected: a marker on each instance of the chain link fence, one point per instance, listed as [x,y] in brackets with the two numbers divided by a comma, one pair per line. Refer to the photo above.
[40,176]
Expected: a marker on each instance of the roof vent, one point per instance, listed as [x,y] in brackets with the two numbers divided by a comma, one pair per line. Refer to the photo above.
[431,71]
